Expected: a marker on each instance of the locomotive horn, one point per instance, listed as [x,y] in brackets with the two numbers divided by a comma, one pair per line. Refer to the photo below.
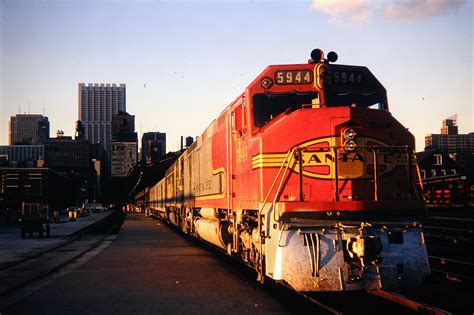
[316,55]
[332,56]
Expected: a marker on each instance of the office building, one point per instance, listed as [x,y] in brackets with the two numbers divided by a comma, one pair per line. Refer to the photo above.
[97,104]
[153,144]
[123,127]
[64,154]
[18,155]
[124,144]
[444,180]
[28,129]
[124,157]
[460,147]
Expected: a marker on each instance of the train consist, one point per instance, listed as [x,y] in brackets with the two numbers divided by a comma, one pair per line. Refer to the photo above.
[307,178]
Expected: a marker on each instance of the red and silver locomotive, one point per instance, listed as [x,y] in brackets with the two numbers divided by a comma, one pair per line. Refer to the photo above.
[307,178]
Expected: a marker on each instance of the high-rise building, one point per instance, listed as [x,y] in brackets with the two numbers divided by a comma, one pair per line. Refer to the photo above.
[458,146]
[28,129]
[123,127]
[450,126]
[153,143]
[97,104]
[124,144]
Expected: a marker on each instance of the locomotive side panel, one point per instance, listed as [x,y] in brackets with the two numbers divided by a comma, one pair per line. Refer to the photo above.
[211,181]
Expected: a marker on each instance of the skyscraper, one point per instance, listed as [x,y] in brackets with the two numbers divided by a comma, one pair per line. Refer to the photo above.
[153,143]
[28,129]
[124,144]
[97,103]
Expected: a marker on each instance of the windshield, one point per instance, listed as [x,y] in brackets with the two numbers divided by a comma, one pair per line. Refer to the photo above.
[268,106]
[369,100]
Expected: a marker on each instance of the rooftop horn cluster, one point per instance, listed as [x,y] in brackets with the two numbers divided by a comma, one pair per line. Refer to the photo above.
[317,56]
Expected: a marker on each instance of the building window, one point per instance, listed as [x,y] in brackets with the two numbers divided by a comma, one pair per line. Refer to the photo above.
[423,174]
[443,172]
[438,159]
[453,171]
[433,173]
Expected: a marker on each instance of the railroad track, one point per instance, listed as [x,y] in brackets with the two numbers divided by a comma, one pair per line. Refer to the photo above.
[23,273]
[448,235]
[353,302]
[418,307]
[452,269]
[449,240]
[371,302]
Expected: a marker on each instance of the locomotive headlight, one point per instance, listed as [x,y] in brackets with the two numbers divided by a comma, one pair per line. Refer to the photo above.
[350,145]
[349,134]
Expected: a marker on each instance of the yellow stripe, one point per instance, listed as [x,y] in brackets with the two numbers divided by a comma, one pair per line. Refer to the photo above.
[215,196]
[269,155]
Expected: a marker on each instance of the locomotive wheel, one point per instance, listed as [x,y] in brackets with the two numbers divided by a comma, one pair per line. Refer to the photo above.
[259,267]
[184,226]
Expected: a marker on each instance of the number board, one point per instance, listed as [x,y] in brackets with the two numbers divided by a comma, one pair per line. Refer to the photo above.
[347,78]
[294,77]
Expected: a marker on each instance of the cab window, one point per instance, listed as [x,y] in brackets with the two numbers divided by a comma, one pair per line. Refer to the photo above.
[268,106]
[367,100]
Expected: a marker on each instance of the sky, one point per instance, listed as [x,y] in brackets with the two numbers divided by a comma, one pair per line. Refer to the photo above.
[184,61]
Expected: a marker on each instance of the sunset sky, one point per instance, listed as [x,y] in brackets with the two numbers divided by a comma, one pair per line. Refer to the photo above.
[185,61]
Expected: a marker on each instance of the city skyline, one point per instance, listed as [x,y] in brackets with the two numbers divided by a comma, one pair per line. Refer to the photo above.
[181,57]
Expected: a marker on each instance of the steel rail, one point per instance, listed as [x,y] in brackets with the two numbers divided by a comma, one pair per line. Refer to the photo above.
[452,274]
[451,260]
[320,304]
[430,227]
[448,273]
[312,300]
[450,218]
[417,306]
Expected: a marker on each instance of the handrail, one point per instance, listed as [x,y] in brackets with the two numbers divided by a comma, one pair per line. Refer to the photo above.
[375,150]
[336,174]
[288,157]
[410,186]
[376,174]
[420,180]
[277,193]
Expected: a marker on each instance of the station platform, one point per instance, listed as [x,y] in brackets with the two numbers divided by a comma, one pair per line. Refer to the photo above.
[149,268]
[13,248]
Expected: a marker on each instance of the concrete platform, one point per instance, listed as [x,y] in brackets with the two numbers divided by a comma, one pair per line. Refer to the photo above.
[13,248]
[151,269]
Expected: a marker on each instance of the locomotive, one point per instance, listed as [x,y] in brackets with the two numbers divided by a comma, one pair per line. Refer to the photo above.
[307,178]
